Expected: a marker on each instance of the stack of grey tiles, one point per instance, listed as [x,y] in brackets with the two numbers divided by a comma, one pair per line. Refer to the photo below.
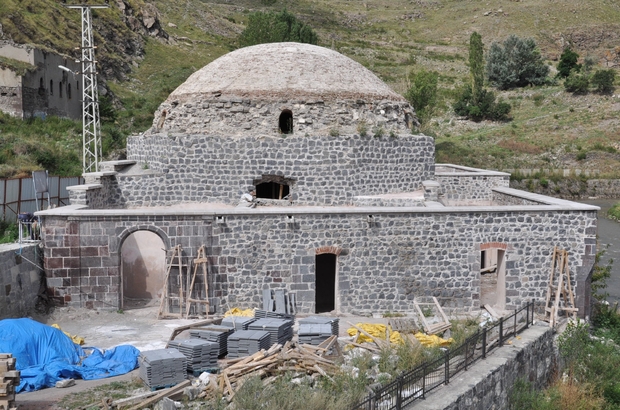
[201,354]
[162,367]
[247,342]
[214,333]
[334,322]
[313,334]
[262,314]
[238,322]
[281,330]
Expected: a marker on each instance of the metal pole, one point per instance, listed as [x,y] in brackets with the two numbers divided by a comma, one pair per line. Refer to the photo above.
[91,126]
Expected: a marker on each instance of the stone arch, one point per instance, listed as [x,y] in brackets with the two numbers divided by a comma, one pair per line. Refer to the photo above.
[273,187]
[142,265]
[285,122]
[492,268]
[328,249]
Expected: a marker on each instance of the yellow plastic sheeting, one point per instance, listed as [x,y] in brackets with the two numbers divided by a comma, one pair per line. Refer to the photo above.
[432,340]
[79,340]
[377,331]
[240,312]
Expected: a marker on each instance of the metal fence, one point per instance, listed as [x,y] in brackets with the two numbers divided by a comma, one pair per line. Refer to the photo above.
[417,383]
[17,195]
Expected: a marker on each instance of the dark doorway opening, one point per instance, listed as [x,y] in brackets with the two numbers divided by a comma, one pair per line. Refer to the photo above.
[285,123]
[272,190]
[325,288]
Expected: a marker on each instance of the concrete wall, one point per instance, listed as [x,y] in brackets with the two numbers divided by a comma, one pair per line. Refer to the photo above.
[381,265]
[487,384]
[324,170]
[19,280]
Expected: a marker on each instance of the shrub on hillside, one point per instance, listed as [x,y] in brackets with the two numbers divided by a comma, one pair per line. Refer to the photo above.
[422,94]
[486,109]
[273,27]
[577,83]
[603,81]
[516,63]
[568,63]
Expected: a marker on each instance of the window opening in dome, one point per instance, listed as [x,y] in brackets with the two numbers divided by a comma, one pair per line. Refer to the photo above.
[272,190]
[285,122]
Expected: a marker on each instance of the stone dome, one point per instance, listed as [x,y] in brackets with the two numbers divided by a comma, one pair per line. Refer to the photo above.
[281,71]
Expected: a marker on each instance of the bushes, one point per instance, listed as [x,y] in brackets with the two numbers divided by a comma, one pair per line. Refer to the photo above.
[422,94]
[273,27]
[515,64]
[603,81]
[577,83]
[486,109]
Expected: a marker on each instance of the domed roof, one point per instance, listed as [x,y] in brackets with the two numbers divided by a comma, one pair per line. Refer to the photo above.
[284,71]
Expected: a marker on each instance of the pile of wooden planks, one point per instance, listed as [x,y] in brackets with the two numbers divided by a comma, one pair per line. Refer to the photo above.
[435,309]
[10,380]
[268,364]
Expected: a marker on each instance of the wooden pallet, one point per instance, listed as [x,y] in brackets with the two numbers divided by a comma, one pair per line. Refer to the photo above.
[434,328]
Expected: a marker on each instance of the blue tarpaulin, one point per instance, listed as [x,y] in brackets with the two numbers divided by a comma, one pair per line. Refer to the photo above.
[46,355]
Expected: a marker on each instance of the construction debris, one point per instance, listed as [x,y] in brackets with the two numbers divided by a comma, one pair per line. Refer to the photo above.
[10,379]
[432,310]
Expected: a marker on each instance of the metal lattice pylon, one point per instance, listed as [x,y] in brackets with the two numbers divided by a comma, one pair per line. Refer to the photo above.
[91,126]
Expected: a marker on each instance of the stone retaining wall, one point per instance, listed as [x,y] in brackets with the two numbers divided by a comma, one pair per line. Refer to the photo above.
[322,170]
[488,383]
[19,280]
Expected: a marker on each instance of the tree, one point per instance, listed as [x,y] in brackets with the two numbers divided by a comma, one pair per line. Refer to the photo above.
[476,66]
[516,63]
[271,27]
[568,63]
[422,94]
[474,102]
[603,80]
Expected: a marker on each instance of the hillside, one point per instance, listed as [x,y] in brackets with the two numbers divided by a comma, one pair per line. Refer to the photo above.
[148,48]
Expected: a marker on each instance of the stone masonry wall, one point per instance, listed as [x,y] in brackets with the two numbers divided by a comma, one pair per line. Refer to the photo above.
[503,199]
[82,255]
[236,116]
[461,188]
[488,384]
[382,264]
[324,170]
[19,280]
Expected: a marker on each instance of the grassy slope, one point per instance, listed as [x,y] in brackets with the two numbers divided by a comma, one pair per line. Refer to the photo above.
[395,38]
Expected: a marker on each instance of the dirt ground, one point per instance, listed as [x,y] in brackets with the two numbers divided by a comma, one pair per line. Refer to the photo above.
[106,329]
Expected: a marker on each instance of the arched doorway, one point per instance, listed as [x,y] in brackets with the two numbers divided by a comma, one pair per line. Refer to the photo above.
[143,266]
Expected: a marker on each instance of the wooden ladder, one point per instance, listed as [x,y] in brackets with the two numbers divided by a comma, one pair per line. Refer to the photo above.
[563,289]
[199,263]
[173,285]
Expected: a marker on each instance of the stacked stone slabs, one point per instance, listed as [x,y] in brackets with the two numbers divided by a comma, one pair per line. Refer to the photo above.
[214,333]
[162,367]
[238,322]
[248,342]
[281,330]
[262,314]
[334,322]
[200,354]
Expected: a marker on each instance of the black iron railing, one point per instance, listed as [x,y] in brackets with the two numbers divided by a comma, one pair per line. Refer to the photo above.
[416,383]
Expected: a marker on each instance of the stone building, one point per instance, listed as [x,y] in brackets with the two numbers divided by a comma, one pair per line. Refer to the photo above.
[296,168]
[32,85]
